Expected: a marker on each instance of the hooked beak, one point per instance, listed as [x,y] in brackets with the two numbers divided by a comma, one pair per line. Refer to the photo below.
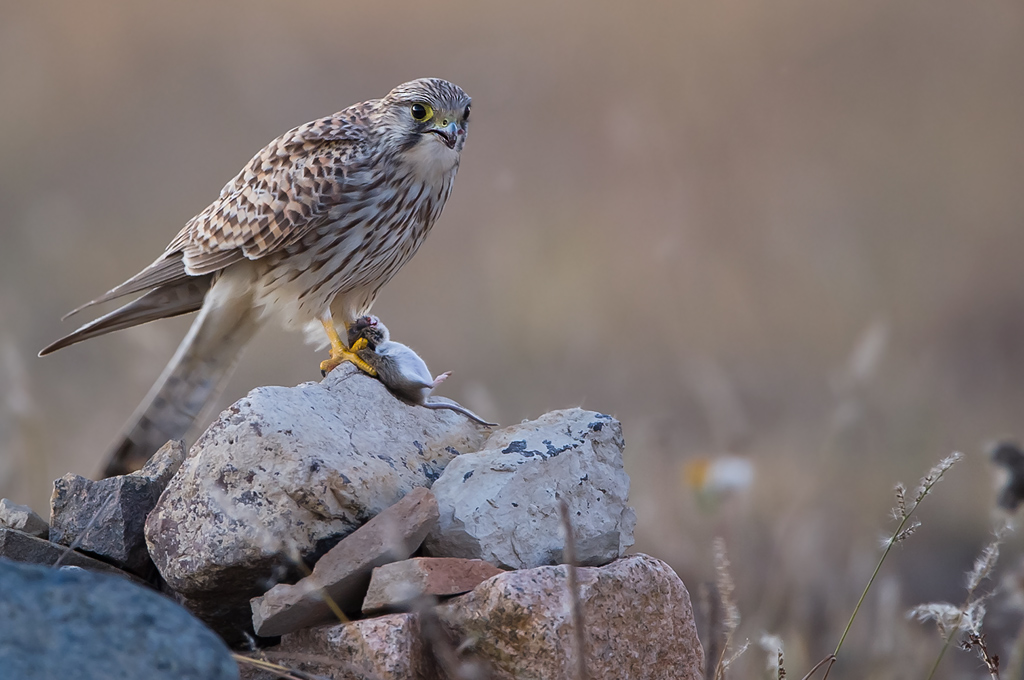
[449,133]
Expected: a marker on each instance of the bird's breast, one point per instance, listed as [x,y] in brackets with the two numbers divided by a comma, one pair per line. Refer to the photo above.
[367,237]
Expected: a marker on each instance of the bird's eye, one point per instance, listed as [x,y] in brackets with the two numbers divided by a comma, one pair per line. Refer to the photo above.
[421,112]
[465,115]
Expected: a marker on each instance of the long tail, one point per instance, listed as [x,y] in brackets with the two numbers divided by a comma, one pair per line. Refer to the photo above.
[192,380]
[162,302]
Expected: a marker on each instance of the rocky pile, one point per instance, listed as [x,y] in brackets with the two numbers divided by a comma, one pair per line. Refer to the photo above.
[388,540]
[96,616]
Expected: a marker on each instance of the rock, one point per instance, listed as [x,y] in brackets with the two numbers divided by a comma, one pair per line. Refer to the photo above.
[287,473]
[637,614]
[397,584]
[501,503]
[20,547]
[344,572]
[384,648]
[88,626]
[105,518]
[22,518]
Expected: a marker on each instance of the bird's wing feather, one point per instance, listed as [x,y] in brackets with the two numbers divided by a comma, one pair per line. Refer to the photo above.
[284,192]
[181,297]
[168,269]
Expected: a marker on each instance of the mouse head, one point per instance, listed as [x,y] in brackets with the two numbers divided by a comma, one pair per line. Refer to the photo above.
[370,328]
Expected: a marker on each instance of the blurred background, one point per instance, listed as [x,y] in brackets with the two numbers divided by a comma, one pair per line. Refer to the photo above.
[789,232]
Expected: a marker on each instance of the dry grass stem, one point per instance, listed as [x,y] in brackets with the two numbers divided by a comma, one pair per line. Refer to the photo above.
[830,659]
[85,532]
[277,669]
[900,511]
[934,475]
[735,655]
[322,660]
[976,641]
[775,662]
[297,560]
[440,644]
[579,638]
[904,513]
[950,619]
[986,562]
[730,619]
[711,608]
[907,532]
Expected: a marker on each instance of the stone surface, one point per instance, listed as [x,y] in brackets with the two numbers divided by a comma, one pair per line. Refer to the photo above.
[75,624]
[501,503]
[289,472]
[384,648]
[637,614]
[22,518]
[105,518]
[343,574]
[517,625]
[397,584]
[20,547]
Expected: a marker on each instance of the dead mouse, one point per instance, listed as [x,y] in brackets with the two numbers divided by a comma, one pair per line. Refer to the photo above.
[400,369]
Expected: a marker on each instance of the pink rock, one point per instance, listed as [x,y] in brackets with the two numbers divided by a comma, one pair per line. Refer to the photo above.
[395,585]
[384,648]
[637,617]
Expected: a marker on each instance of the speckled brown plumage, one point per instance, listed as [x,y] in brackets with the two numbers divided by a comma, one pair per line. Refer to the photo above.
[306,233]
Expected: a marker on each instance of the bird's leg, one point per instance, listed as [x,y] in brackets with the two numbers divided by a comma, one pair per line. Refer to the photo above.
[340,353]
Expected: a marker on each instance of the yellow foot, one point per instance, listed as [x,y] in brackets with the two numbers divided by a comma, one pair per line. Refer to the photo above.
[340,353]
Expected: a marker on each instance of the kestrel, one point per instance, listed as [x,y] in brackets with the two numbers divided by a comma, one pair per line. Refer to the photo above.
[307,233]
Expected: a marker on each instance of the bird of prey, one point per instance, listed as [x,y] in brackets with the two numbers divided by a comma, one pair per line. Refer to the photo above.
[306,234]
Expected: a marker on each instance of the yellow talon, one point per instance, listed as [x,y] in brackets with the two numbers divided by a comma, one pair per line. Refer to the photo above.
[339,353]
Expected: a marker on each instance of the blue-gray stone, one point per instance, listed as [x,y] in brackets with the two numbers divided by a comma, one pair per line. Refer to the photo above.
[58,623]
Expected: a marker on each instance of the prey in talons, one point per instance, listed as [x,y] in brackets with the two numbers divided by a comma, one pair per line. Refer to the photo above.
[340,353]
[396,365]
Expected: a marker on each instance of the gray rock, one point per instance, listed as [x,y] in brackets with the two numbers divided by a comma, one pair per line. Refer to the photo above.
[106,517]
[501,503]
[637,615]
[20,547]
[286,473]
[22,518]
[343,574]
[76,624]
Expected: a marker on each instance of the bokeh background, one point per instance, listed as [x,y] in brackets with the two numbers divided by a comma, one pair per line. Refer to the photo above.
[788,231]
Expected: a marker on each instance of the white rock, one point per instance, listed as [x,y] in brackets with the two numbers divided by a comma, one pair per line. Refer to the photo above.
[501,503]
[287,472]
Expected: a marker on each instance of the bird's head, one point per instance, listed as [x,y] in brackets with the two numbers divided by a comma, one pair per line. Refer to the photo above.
[428,119]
